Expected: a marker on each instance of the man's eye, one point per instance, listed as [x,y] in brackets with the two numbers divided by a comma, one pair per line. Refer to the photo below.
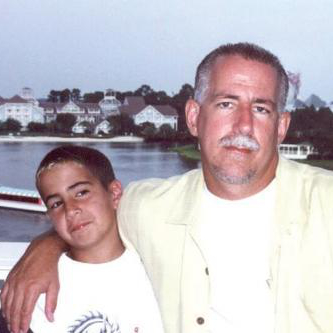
[261,109]
[225,105]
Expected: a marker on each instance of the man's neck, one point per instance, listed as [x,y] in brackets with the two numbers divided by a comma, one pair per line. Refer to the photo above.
[237,191]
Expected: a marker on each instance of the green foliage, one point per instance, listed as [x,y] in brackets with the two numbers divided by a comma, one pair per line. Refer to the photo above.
[188,151]
[95,97]
[65,122]
[10,125]
[316,127]
[34,127]
[115,122]
[166,132]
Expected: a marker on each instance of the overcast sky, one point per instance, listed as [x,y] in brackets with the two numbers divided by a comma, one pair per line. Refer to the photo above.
[122,44]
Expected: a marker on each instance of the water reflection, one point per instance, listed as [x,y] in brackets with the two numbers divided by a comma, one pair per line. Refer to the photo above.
[18,226]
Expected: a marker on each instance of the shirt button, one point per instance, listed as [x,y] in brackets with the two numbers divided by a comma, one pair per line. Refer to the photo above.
[200,320]
[206,271]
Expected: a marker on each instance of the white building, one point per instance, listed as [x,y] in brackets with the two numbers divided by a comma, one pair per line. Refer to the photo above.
[24,108]
[90,112]
[159,115]
[103,127]
[109,104]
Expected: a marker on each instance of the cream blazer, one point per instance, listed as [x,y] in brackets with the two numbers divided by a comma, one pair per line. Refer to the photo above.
[160,217]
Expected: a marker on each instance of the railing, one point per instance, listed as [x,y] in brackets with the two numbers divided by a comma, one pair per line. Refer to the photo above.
[10,253]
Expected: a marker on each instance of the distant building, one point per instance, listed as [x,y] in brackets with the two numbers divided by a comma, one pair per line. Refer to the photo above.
[103,127]
[135,107]
[90,112]
[109,104]
[24,108]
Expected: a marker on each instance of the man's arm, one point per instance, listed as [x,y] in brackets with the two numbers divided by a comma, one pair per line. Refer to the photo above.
[35,273]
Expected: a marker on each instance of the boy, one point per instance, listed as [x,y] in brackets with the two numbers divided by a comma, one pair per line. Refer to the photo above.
[104,287]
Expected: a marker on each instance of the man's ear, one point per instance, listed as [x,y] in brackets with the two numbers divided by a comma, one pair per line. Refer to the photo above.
[284,121]
[116,192]
[192,109]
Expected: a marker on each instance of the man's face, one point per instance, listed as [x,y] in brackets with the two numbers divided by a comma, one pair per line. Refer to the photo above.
[238,125]
[81,209]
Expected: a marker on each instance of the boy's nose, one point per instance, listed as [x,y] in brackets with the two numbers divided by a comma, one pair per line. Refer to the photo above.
[72,209]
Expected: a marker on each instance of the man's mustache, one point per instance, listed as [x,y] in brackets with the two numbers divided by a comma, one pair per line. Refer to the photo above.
[240,141]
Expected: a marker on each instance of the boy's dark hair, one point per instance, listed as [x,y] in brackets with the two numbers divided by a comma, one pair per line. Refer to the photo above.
[95,161]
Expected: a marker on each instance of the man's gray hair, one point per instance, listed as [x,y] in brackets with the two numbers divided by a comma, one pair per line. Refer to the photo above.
[247,51]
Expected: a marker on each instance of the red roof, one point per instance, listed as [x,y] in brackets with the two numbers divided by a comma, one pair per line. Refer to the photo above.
[16,99]
[166,110]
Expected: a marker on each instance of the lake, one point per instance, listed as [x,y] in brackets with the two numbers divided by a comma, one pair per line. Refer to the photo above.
[131,161]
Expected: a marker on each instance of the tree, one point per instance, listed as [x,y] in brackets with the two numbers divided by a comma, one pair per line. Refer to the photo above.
[144,90]
[127,124]
[76,94]
[53,96]
[166,132]
[36,127]
[65,122]
[178,102]
[147,130]
[95,97]
[65,95]
[115,122]
[11,125]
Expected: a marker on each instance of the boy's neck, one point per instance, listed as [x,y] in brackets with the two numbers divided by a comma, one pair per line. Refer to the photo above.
[102,252]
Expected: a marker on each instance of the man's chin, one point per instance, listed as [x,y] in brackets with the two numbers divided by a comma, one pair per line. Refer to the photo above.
[234,178]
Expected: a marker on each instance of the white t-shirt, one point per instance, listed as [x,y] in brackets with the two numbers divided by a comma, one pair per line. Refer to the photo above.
[110,297]
[236,237]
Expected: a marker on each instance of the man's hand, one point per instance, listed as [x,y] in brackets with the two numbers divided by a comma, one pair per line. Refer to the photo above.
[35,273]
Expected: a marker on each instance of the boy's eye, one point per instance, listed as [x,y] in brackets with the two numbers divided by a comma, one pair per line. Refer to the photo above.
[82,193]
[55,204]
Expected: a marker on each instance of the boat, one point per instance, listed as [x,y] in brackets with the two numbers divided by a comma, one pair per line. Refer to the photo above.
[10,253]
[21,199]
[297,151]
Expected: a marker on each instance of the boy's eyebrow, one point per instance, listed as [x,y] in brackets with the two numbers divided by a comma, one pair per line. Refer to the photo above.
[71,187]
[84,182]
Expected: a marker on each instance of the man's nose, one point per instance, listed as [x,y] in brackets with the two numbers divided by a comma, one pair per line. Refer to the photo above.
[244,122]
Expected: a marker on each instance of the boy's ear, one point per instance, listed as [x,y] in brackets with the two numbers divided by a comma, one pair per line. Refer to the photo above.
[116,192]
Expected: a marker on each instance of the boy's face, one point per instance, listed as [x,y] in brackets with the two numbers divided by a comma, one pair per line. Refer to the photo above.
[81,209]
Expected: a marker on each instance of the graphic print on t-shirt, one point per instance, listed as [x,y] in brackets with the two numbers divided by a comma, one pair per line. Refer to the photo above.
[94,323]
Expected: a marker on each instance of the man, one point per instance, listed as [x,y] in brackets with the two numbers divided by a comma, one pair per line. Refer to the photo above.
[243,245]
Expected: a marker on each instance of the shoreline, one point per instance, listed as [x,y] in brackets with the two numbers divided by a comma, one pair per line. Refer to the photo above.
[120,139]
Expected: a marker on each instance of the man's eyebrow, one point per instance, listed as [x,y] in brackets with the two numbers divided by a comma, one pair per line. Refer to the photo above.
[235,97]
[223,95]
[264,101]
[71,187]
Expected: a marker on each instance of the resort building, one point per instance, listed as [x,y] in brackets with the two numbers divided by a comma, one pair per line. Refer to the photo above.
[89,116]
[159,115]
[23,108]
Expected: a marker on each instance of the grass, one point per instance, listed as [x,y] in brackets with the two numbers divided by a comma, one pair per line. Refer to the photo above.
[190,152]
